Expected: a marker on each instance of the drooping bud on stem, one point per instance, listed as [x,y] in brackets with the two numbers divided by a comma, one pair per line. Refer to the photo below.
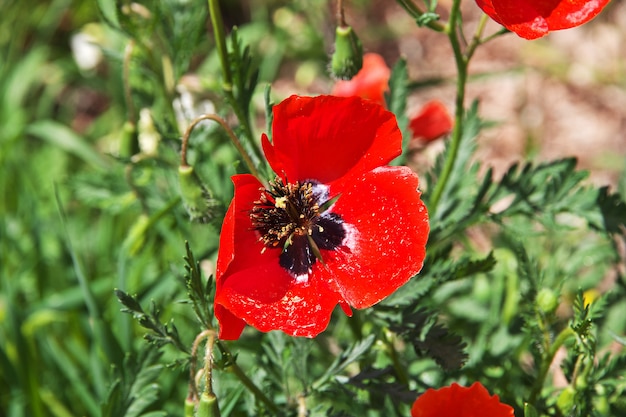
[347,58]
[196,196]
[190,407]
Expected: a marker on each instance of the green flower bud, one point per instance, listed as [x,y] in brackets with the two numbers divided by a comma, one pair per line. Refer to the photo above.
[547,300]
[190,406]
[208,406]
[196,196]
[602,406]
[565,400]
[347,59]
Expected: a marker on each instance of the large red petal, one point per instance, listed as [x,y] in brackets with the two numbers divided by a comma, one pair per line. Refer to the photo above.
[268,298]
[572,13]
[387,233]
[331,139]
[533,19]
[253,287]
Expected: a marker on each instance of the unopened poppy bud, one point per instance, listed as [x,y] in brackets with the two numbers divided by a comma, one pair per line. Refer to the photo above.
[197,198]
[565,400]
[547,300]
[208,406]
[347,59]
[190,407]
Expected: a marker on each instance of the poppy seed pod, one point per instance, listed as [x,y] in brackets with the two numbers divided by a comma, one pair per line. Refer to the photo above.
[347,59]
[197,198]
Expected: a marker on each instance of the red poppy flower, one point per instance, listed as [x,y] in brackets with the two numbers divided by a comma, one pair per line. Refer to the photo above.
[336,225]
[370,82]
[533,19]
[458,401]
[432,122]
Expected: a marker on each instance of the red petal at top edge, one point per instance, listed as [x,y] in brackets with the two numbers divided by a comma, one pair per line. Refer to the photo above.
[387,233]
[254,287]
[458,401]
[532,19]
[487,7]
[327,138]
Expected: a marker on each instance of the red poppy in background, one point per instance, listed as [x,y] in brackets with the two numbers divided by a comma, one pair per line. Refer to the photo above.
[533,19]
[432,122]
[458,401]
[336,225]
[371,82]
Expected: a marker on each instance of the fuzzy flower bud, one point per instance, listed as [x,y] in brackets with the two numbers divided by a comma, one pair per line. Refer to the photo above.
[347,59]
[547,300]
[196,196]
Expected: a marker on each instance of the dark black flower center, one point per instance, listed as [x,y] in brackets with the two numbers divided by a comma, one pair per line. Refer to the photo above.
[292,217]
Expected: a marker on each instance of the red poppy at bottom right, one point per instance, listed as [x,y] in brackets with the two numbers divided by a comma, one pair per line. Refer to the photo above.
[458,401]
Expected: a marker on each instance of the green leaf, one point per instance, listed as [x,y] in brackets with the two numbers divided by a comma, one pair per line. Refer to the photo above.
[419,327]
[529,411]
[613,210]
[108,9]
[396,102]
[65,138]
[427,18]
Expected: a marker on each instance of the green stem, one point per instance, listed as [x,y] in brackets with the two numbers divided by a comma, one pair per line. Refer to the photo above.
[400,369]
[220,42]
[231,135]
[128,98]
[341,17]
[227,84]
[547,360]
[455,142]
[247,382]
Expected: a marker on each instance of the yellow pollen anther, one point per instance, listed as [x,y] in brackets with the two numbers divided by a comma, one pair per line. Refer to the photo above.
[281,202]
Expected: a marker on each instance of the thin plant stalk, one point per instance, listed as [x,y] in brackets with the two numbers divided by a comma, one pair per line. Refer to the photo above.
[229,132]
[461,64]
[227,84]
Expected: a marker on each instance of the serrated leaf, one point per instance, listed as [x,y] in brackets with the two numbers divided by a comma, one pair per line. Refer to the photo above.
[613,210]
[434,340]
